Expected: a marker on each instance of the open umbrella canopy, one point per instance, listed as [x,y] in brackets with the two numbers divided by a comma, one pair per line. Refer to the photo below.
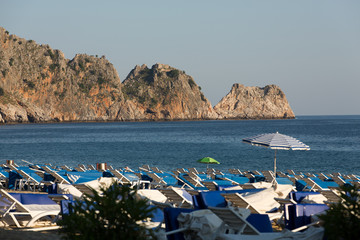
[208,160]
[276,141]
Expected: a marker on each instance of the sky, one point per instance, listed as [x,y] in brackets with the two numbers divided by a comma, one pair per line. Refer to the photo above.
[310,49]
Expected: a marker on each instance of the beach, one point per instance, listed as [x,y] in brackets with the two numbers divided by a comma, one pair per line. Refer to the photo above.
[12,234]
[257,193]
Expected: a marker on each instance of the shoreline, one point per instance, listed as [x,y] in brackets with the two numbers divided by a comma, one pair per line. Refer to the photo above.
[147,120]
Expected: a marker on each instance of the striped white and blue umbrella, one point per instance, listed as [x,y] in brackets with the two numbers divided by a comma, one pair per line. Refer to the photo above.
[276,141]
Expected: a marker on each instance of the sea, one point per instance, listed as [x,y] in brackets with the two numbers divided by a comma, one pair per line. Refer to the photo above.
[334,143]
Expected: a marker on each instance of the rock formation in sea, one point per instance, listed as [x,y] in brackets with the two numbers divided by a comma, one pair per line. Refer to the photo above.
[163,92]
[254,103]
[38,84]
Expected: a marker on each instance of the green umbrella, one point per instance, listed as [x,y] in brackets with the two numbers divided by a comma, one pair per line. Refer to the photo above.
[208,160]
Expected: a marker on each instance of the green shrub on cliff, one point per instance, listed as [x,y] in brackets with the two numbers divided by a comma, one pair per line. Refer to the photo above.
[2,92]
[30,84]
[114,214]
[51,54]
[191,83]
[53,67]
[11,62]
[173,73]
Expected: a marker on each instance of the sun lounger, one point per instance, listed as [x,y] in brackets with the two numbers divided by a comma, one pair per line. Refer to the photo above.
[298,215]
[58,178]
[157,181]
[91,167]
[175,172]
[79,169]
[263,201]
[291,172]
[28,182]
[234,225]
[323,177]
[212,186]
[331,196]
[281,174]
[234,222]
[239,201]
[235,179]
[12,209]
[11,166]
[145,168]
[353,177]
[237,172]
[193,170]
[152,195]
[64,167]
[172,224]
[269,176]
[238,227]
[316,184]
[181,180]
[4,179]
[309,175]
[340,181]
[122,179]
[84,189]
[178,197]
[129,178]
[194,183]
[156,170]
[182,170]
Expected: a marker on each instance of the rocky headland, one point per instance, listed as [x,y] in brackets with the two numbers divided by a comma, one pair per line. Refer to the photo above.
[38,84]
[254,103]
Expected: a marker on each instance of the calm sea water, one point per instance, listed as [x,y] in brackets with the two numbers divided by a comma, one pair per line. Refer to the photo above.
[334,142]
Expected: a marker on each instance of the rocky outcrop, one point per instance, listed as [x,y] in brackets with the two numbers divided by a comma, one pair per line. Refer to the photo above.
[254,103]
[163,92]
[38,84]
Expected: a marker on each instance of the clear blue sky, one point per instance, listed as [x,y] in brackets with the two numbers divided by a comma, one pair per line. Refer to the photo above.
[310,48]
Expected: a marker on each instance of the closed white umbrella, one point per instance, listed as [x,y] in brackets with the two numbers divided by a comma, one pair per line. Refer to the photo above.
[276,141]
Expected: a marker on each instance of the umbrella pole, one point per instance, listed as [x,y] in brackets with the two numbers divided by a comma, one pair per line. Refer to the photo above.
[275,165]
[207,170]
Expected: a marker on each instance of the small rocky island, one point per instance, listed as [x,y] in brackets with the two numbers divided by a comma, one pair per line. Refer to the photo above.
[38,84]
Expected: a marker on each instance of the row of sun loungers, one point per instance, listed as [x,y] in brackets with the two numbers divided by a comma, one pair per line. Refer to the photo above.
[243,201]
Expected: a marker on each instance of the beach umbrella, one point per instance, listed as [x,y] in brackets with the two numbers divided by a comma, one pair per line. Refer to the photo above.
[276,141]
[208,160]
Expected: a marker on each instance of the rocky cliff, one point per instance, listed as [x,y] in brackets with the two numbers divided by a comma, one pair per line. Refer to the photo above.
[163,92]
[38,84]
[254,103]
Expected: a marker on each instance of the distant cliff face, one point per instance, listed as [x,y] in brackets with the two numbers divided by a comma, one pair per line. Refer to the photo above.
[39,84]
[163,92]
[254,103]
